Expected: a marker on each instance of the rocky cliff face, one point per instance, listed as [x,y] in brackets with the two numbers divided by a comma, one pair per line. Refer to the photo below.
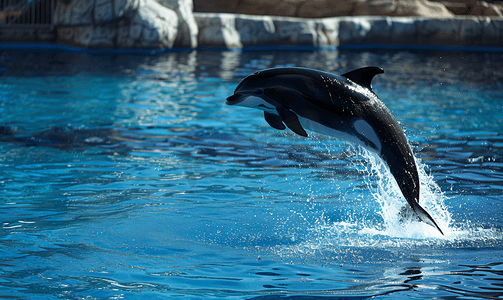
[187,26]
[231,31]
[142,24]
[338,8]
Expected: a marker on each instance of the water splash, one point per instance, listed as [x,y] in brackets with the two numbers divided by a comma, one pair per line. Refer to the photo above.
[386,192]
[355,238]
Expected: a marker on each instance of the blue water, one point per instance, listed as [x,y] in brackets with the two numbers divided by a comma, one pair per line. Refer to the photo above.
[126,176]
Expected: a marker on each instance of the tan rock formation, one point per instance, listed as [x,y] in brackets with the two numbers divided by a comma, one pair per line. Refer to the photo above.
[409,8]
[335,8]
[474,8]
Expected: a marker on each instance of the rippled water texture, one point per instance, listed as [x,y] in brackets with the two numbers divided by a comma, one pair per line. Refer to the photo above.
[127,176]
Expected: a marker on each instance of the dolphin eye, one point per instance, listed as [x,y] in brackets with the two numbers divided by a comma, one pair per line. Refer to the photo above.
[259,91]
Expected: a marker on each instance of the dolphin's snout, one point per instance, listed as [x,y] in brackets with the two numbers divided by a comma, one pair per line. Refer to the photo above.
[241,95]
[234,99]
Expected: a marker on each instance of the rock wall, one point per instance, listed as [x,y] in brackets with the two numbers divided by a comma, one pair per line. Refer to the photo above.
[474,8]
[115,24]
[164,24]
[237,31]
[187,26]
[338,8]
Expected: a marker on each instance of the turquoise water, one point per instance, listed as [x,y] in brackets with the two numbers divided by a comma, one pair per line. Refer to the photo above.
[126,176]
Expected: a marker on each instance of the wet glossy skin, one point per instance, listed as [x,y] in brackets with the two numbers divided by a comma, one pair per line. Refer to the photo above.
[338,105]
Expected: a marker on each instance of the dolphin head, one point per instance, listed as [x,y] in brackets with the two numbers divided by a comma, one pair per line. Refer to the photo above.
[252,98]
[250,93]
[285,87]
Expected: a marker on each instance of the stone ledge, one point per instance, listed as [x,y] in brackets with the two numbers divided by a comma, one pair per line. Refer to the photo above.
[239,30]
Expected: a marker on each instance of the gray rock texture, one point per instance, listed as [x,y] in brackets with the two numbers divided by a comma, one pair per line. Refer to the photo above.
[233,30]
[115,24]
[187,26]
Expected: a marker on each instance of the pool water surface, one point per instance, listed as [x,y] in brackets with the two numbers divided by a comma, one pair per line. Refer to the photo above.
[127,176]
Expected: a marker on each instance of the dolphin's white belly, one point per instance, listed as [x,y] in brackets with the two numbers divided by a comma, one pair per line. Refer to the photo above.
[258,103]
[360,126]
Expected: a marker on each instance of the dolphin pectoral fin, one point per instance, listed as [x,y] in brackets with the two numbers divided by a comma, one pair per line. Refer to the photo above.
[425,216]
[364,76]
[274,121]
[291,120]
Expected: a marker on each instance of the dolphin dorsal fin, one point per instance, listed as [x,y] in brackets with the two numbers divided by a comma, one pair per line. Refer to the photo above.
[363,76]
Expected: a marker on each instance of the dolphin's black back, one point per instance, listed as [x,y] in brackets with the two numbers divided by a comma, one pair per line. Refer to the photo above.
[329,91]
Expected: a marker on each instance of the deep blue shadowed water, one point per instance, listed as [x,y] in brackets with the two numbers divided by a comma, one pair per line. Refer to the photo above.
[126,176]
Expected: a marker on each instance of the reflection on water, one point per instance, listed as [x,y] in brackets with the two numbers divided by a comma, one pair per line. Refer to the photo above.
[401,67]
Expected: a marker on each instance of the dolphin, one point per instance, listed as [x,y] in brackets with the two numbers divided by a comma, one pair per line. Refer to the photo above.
[344,106]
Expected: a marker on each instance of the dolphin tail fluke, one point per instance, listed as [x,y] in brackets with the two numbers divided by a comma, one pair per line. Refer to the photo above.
[425,216]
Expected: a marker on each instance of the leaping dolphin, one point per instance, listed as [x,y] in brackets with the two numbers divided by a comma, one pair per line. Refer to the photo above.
[344,106]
